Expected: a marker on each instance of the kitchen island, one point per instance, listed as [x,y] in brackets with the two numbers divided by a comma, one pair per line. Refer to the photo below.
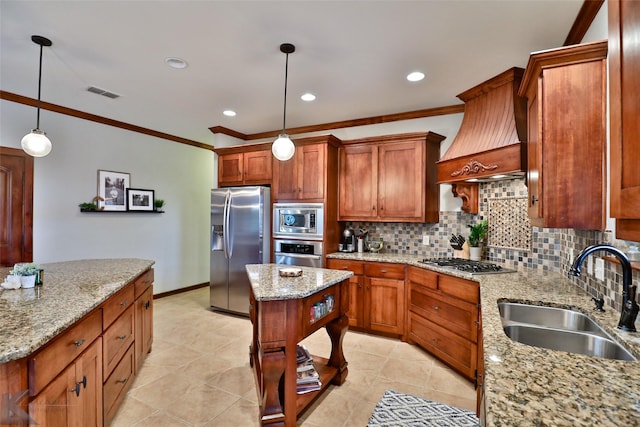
[532,386]
[283,311]
[87,329]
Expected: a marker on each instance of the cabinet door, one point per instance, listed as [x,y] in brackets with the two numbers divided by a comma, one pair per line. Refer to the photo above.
[285,179]
[230,169]
[143,326]
[311,171]
[257,167]
[384,305]
[624,80]
[89,373]
[356,302]
[57,404]
[358,181]
[401,181]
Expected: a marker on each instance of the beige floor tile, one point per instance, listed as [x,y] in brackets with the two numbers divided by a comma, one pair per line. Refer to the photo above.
[198,373]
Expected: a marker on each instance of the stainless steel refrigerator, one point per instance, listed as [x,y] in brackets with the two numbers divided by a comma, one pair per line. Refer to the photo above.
[240,235]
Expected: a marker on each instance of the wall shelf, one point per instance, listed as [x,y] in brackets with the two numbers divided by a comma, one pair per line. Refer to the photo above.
[120,212]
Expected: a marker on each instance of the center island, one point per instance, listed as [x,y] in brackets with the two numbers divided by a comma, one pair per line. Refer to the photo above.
[284,311]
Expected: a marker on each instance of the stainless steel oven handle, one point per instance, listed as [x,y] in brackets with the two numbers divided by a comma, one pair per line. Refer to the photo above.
[304,256]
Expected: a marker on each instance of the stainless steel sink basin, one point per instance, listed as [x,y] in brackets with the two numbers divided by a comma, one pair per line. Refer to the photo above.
[569,341]
[559,329]
[549,317]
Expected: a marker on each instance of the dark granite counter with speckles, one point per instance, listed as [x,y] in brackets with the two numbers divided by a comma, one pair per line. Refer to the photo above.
[32,317]
[531,386]
[267,284]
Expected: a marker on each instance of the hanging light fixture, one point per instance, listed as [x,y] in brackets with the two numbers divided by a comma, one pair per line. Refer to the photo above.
[36,143]
[283,148]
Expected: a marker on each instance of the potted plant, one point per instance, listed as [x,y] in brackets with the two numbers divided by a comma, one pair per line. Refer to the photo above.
[477,234]
[27,272]
[158,203]
[88,207]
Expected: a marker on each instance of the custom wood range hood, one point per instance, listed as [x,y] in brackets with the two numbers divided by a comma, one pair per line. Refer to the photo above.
[491,142]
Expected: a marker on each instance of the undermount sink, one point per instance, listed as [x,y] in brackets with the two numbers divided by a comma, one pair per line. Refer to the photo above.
[559,329]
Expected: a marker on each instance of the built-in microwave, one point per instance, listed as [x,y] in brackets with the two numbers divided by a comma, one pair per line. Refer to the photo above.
[298,220]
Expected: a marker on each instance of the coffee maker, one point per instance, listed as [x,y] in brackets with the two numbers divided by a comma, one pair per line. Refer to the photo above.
[348,240]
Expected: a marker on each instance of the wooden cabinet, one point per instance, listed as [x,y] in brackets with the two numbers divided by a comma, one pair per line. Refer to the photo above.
[390,178]
[143,315]
[74,397]
[376,296]
[252,167]
[624,84]
[444,317]
[566,110]
[302,177]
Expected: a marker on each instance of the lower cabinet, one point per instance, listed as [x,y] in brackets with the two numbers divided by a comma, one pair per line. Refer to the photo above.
[74,397]
[376,296]
[444,318]
[81,376]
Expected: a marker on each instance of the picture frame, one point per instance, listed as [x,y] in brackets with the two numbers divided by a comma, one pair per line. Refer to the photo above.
[112,188]
[140,200]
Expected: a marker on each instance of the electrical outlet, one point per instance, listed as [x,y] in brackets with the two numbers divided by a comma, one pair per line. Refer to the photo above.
[599,269]
[571,255]
[425,240]
[590,265]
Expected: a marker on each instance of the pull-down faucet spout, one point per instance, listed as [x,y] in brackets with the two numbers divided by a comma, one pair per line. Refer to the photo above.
[629,305]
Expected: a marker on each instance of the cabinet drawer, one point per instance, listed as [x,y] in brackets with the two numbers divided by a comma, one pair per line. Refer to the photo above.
[143,282]
[457,352]
[116,340]
[384,270]
[467,290]
[117,384]
[426,278]
[57,355]
[453,314]
[116,305]
[356,267]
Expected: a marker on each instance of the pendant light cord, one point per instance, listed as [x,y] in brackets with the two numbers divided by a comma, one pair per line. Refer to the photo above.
[39,88]
[284,114]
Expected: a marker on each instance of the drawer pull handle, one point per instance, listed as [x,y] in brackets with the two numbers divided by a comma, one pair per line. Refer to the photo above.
[435,307]
[76,390]
[147,305]
[435,340]
[123,303]
[79,342]
[122,381]
[83,382]
[122,337]
[383,271]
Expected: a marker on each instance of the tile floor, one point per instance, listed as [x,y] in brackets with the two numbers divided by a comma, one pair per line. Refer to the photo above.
[198,373]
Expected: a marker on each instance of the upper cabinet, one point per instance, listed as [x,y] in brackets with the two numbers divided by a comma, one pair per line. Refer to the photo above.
[310,174]
[390,178]
[624,84]
[566,148]
[250,165]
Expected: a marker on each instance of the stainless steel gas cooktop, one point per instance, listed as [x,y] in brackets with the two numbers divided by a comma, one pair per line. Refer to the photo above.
[468,266]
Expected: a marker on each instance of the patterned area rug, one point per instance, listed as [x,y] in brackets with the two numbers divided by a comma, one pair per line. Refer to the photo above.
[404,410]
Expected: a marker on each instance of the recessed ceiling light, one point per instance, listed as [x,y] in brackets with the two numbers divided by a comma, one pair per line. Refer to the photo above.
[229,113]
[415,76]
[308,97]
[176,63]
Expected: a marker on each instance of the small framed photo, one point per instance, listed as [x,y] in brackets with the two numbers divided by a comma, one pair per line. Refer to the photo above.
[112,187]
[140,200]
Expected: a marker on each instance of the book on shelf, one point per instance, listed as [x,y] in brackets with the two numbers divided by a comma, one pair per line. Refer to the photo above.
[307,378]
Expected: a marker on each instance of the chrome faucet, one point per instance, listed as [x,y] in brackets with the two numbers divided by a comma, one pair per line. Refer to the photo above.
[629,305]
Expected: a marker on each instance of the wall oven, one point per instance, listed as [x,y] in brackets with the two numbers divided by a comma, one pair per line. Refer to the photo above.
[298,220]
[306,253]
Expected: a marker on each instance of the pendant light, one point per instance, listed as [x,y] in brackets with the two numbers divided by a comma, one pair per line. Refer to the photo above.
[36,143]
[283,148]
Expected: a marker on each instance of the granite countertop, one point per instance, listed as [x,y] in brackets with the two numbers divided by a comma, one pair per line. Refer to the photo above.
[32,317]
[268,285]
[531,386]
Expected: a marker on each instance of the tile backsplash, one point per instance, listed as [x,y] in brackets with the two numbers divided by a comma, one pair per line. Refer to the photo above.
[511,239]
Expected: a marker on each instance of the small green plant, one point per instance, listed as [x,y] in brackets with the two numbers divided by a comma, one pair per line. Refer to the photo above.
[25,269]
[88,206]
[158,203]
[477,233]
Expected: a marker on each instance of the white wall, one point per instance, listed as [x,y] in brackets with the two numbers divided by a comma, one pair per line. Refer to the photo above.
[177,240]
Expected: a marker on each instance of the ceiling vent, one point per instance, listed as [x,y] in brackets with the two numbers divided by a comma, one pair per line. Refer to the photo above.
[493,134]
[97,90]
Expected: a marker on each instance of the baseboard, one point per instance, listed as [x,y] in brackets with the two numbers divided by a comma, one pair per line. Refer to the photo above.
[179,291]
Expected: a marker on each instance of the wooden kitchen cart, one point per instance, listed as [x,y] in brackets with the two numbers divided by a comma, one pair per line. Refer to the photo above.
[278,326]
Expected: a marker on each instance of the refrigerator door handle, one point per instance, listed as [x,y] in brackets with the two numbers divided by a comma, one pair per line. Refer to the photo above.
[227,232]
